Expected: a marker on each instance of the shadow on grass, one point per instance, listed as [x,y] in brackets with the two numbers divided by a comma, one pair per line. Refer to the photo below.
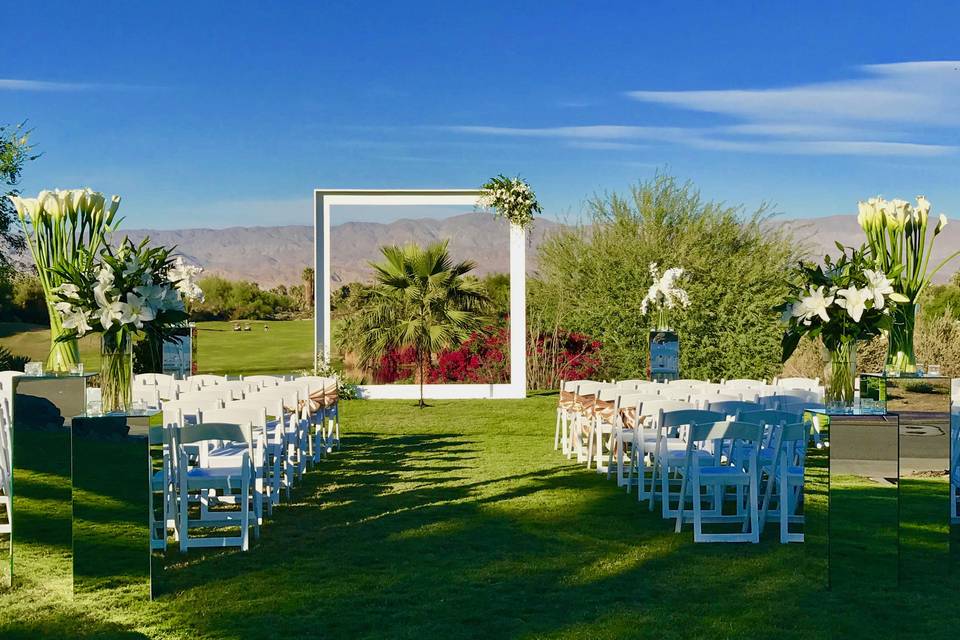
[472,526]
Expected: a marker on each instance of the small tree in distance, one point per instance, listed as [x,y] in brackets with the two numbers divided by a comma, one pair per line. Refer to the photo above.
[422,300]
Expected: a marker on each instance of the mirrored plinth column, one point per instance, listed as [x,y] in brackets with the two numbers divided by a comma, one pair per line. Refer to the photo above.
[113,473]
[40,548]
[863,550]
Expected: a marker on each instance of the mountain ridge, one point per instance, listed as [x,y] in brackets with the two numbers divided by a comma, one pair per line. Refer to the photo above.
[274,255]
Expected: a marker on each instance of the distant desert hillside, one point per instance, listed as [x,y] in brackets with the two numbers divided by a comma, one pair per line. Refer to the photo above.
[277,255]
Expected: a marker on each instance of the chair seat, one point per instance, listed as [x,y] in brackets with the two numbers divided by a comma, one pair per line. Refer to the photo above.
[795,472]
[216,478]
[729,474]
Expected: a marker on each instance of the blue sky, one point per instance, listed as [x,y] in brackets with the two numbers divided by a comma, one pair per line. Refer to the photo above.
[229,113]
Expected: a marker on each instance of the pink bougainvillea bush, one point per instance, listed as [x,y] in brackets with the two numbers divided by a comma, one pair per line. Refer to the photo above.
[484,358]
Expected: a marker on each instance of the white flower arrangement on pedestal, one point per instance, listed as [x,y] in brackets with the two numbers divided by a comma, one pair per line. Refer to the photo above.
[133,291]
[664,294]
[510,198]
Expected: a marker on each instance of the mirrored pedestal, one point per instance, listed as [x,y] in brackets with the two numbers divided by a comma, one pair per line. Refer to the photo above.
[113,501]
[40,542]
[864,466]
[923,407]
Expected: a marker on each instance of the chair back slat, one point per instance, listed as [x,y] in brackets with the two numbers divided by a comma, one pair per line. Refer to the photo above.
[235,415]
[726,430]
[191,433]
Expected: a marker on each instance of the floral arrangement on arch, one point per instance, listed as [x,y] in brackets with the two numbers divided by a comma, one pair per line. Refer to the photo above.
[664,294]
[510,198]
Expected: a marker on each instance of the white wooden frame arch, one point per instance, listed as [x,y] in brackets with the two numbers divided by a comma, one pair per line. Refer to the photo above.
[325,198]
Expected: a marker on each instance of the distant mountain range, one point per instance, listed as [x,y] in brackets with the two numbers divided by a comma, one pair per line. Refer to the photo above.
[278,255]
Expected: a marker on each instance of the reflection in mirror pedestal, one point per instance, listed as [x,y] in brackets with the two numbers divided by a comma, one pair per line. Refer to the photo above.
[923,406]
[112,502]
[664,364]
[863,502]
[40,549]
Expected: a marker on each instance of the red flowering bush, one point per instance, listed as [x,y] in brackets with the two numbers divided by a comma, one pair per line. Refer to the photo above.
[484,358]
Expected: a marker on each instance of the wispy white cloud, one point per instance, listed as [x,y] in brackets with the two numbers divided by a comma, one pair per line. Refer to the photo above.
[888,111]
[908,92]
[15,84]
[709,138]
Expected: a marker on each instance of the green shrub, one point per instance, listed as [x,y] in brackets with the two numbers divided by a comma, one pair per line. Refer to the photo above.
[238,300]
[11,362]
[593,277]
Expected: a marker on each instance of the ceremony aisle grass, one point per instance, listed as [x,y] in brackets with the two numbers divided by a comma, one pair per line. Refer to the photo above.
[461,521]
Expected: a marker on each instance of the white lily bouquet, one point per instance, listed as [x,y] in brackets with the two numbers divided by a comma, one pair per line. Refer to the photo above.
[510,198]
[57,225]
[841,302]
[901,244]
[664,294]
[133,291]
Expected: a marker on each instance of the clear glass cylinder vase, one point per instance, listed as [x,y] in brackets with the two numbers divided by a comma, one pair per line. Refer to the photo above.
[840,375]
[116,372]
[901,359]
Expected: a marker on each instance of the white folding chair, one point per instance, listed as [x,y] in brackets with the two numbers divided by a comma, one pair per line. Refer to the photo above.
[622,440]
[716,472]
[232,483]
[670,450]
[207,379]
[732,408]
[265,382]
[807,384]
[205,395]
[785,480]
[583,403]
[568,391]
[286,433]
[149,394]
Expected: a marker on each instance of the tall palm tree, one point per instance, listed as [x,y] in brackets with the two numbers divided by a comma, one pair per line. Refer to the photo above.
[307,276]
[422,301]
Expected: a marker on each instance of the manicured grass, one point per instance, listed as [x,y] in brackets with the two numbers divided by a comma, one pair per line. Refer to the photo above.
[34,341]
[284,347]
[461,521]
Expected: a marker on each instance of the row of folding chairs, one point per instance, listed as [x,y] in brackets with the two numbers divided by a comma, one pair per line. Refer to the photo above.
[231,452]
[599,398]
[673,441]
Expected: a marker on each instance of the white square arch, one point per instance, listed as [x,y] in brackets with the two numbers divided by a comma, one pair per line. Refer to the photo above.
[325,198]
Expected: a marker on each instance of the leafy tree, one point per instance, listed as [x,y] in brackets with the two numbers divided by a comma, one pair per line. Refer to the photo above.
[308,287]
[594,276]
[940,300]
[14,153]
[422,301]
[238,300]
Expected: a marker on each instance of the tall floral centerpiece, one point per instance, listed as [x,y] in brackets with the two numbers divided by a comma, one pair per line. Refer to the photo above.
[64,228]
[901,244]
[122,294]
[841,302]
[510,198]
[664,295]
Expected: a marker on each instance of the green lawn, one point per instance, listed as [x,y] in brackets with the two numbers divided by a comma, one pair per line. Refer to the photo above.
[284,347]
[461,521]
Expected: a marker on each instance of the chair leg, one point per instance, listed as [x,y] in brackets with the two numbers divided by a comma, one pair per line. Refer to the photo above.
[556,432]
